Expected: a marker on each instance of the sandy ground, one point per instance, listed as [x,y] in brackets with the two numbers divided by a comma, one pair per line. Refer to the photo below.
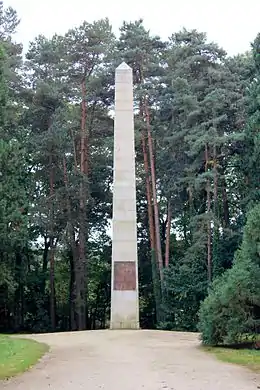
[130,360]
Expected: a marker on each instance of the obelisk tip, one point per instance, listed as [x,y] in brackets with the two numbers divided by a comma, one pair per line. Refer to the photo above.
[123,66]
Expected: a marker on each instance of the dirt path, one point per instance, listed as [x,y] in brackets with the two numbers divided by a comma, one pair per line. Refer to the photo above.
[130,360]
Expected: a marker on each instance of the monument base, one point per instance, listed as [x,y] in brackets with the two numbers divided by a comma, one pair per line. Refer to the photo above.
[124,310]
[125,326]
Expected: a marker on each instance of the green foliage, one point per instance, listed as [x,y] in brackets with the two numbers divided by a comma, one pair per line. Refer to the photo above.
[256,51]
[13,203]
[249,165]
[233,305]
[185,287]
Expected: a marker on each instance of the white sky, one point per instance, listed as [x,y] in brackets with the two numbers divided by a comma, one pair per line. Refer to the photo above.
[233,24]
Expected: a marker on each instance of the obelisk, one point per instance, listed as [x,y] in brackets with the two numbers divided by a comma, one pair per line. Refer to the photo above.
[124,283]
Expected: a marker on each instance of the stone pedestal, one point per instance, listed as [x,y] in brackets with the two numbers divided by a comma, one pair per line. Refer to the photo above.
[124,284]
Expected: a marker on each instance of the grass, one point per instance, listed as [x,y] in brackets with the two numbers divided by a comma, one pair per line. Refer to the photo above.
[18,355]
[248,358]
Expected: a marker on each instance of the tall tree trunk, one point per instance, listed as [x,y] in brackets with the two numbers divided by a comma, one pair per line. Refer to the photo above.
[81,267]
[45,257]
[168,235]
[215,171]
[148,194]
[153,214]
[51,251]
[188,215]
[18,296]
[215,235]
[154,192]
[155,276]
[84,136]
[72,295]
[74,151]
[209,255]
[73,250]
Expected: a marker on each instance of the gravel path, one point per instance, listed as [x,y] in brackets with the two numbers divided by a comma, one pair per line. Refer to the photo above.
[130,360]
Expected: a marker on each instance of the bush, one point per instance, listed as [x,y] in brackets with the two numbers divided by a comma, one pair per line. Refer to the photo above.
[232,307]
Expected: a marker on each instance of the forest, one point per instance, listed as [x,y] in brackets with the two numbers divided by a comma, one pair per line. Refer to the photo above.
[197,122]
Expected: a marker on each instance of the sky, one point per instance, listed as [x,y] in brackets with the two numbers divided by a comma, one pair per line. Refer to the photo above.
[233,24]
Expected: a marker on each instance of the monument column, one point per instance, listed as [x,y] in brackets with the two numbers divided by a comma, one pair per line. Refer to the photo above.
[124,283]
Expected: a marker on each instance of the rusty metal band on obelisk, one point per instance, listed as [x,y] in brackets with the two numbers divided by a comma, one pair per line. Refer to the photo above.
[124,284]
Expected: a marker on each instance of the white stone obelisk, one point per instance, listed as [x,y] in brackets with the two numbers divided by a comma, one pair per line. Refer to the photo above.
[124,283]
